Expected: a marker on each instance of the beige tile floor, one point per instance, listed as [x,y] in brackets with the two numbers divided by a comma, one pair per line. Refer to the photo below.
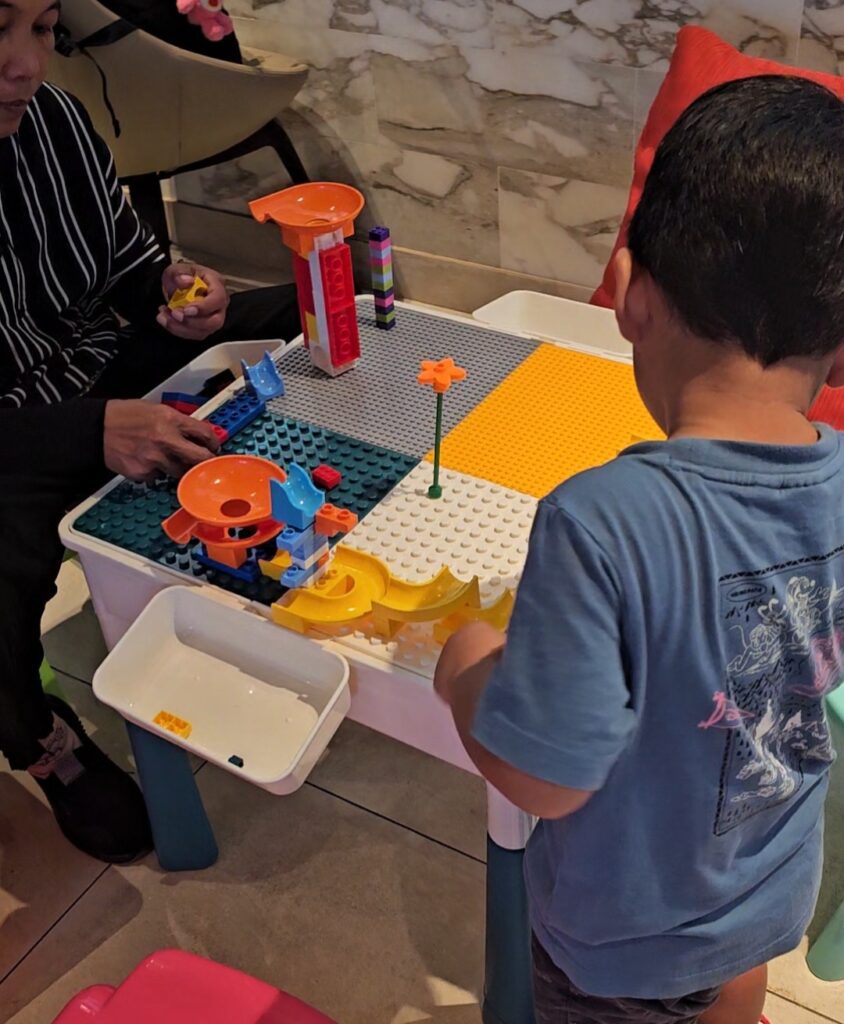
[363,893]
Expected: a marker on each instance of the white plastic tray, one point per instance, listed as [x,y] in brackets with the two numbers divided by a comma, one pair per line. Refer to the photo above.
[225,356]
[248,689]
[576,324]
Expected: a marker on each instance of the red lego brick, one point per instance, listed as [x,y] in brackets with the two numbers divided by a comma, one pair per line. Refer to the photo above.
[343,336]
[221,432]
[326,477]
[184,407]
[338,285]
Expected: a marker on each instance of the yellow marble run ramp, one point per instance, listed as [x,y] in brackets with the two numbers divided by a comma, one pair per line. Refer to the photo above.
[358,584]
[344,593]
[434,599]
[497,615]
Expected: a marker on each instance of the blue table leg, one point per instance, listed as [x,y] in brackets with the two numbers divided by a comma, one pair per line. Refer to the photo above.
[508,995]
[184,839]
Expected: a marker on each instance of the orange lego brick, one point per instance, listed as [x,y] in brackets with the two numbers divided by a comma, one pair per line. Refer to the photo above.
[331,520]
[558,413]
[174,724]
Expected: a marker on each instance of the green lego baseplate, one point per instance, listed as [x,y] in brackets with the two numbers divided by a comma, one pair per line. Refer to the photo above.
[130,515]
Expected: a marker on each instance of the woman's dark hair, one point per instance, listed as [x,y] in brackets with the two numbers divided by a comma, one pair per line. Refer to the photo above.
[741,222]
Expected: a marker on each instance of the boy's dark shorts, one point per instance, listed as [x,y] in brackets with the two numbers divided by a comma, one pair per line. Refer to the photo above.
[558,1001]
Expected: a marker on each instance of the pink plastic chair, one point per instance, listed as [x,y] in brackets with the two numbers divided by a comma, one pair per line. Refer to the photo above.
[172,987]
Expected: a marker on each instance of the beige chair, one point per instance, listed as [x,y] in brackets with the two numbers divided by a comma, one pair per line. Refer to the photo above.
[176,110]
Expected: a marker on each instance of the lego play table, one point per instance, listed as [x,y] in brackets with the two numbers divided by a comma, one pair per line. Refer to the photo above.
[529,415]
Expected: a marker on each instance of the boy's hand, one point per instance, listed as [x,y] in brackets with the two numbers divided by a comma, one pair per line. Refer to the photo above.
[143,440]
[204,316]
[465,648]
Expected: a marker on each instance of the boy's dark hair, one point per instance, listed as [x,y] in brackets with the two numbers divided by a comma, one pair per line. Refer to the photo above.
[741,222]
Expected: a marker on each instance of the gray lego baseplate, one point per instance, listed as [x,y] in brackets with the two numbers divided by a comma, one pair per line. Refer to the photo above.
[379,401]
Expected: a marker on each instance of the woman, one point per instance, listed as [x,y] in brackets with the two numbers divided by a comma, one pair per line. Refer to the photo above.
[76,264]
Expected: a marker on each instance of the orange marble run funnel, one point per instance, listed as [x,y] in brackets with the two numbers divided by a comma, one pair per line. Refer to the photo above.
[304,212]
[226,504]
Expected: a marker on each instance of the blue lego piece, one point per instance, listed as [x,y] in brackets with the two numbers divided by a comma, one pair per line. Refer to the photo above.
[249,572]
[296,576]
[236,761]
[295,501]
[181,396]
[299,543]
[263,379]
[240,410]
[379,234]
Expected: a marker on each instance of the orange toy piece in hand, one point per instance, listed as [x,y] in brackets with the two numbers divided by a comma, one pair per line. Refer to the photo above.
[440,374]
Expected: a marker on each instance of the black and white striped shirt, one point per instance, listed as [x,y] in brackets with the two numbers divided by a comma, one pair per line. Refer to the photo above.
[73,254]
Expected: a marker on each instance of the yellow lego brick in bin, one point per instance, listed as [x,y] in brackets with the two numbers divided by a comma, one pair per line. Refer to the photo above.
[174,724]
[558,413]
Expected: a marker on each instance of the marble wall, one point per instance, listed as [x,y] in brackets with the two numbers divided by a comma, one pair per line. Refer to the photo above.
[495,133]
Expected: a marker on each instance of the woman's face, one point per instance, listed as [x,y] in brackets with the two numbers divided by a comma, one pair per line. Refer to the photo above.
[26,42]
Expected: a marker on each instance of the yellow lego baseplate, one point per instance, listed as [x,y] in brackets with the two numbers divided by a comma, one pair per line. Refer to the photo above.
[559,412]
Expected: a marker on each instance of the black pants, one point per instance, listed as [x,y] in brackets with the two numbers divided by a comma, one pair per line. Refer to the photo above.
[557,1000]
[31,507]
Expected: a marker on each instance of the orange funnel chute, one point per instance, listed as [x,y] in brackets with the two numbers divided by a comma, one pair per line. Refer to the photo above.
[303,212]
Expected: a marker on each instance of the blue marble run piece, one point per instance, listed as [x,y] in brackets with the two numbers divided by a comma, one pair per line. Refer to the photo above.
[297,576]
[296,501]
[263,379]
[299,543]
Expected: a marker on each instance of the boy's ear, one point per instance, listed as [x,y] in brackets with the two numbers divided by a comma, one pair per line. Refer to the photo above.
[631,311]
[835,379]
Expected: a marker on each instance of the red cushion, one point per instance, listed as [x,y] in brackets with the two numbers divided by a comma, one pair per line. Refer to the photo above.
[175,987]
[700,62]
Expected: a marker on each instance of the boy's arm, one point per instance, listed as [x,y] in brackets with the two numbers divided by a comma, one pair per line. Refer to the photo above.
[546,715]
[467,662]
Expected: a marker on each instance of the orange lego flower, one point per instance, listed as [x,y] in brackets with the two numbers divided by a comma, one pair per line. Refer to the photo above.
[440,374]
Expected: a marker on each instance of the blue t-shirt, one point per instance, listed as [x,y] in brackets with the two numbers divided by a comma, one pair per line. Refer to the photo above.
[680,618]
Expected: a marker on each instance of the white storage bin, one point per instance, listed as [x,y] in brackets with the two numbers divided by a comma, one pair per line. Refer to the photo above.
[226,356]
[250,690]
[575,324]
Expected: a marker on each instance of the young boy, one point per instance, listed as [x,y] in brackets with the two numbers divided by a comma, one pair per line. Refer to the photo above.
[658,700]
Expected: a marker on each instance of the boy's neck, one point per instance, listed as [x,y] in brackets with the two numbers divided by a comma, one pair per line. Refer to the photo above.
[722,394]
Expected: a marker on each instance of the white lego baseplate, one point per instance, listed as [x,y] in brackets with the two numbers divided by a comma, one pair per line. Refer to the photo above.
[476,528]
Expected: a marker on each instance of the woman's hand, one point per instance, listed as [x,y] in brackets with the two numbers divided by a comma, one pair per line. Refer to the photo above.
[143,440]
[201,318]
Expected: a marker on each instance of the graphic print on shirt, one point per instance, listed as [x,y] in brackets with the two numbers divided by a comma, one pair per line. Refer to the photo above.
[784,639]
